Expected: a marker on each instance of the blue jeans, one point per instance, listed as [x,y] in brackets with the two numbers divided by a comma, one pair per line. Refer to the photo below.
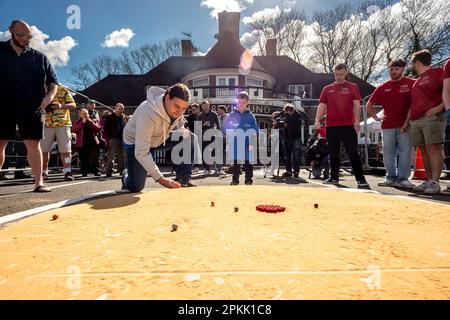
[135,177]
[323,166]
[397,154]
[292,150]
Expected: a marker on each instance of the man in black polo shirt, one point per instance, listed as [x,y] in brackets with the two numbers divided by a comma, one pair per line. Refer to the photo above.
[28,85]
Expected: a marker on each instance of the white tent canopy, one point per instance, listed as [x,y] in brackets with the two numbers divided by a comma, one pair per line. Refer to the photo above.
[373,125]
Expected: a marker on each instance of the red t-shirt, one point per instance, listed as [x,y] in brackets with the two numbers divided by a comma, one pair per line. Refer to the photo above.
[426,93]
[395,97]
[339,99]
[446,73]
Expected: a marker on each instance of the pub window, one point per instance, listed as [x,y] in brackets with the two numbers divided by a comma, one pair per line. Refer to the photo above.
[251,82]
[227,81]
[200,82]
[297,89]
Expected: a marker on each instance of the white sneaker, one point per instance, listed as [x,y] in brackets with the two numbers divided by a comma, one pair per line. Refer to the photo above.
[422,186]
[206,172]
[195,169]
[433,187]
[446,191]
[406,184]
[222,173]
[387,183]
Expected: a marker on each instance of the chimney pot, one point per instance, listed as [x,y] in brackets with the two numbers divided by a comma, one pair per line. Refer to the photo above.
[271,47]
[229,23]
[187,48]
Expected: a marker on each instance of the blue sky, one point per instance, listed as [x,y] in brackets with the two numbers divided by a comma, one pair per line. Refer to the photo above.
[150,21]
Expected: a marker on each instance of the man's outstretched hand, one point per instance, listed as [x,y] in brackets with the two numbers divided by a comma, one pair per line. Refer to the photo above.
[169,183]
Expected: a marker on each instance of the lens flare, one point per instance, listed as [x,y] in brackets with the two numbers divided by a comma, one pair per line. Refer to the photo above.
[246,62]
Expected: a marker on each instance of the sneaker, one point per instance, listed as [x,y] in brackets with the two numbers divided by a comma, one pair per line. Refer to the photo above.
[222,173]
[98,174]
[387,183]
[234,183]
[248,182]
[45,175]
[422,186]
[68,177]
[185,183]
[446,191]
[84,175]
[433,187]
[287,174]
[326,176]
[363,183]
[195,169]
[331,181]
[207,172]
[406,184]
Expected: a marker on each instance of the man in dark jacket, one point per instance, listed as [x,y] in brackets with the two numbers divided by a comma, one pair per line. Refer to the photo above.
[209,120]
[190,124]
[114,124]
[318,156]
[292,140]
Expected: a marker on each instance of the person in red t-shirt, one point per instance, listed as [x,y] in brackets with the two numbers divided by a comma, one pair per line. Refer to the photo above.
[340,101]
[446,91]
[446,99]
[395,97]
[427,119]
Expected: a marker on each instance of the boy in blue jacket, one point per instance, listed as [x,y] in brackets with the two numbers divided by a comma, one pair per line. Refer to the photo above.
[242,118]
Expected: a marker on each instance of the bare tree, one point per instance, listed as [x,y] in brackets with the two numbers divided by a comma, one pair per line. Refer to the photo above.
[331,36]
[287,26]
[428,25]
[137,61]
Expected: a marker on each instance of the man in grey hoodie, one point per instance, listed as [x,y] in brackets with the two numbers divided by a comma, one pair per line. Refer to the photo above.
[149,131]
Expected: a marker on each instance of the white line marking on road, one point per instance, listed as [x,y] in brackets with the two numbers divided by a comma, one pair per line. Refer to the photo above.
[378,193]
[28,213]
[55,187]
[69,184]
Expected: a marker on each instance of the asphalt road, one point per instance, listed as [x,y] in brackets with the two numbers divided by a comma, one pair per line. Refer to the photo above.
[17,195]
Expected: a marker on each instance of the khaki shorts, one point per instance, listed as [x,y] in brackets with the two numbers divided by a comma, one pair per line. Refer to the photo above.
[62,135]
[428,130]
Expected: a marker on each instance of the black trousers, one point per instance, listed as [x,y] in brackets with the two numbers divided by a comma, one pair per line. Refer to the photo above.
[89,158]
[247,167]
[347,135]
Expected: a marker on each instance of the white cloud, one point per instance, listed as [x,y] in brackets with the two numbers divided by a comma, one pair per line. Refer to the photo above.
[57,51]
[262,14]
[217,6]
[119,38]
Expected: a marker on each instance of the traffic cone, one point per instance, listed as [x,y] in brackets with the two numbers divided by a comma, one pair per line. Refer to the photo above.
[419,169]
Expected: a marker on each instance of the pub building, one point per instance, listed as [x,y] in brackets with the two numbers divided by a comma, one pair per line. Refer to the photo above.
[271,80]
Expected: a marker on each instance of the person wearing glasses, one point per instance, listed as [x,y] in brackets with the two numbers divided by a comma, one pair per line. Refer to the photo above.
[25,75]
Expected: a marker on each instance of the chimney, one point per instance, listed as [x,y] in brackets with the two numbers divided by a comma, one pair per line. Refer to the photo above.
[187,48]
[229,23]
[271,47]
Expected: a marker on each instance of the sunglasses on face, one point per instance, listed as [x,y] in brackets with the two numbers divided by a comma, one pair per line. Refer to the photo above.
[22,35]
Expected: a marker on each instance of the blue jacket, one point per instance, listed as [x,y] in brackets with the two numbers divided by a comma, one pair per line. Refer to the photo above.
[245,121]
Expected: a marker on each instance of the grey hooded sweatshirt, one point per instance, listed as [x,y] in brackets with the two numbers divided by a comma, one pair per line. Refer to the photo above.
[149,128]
